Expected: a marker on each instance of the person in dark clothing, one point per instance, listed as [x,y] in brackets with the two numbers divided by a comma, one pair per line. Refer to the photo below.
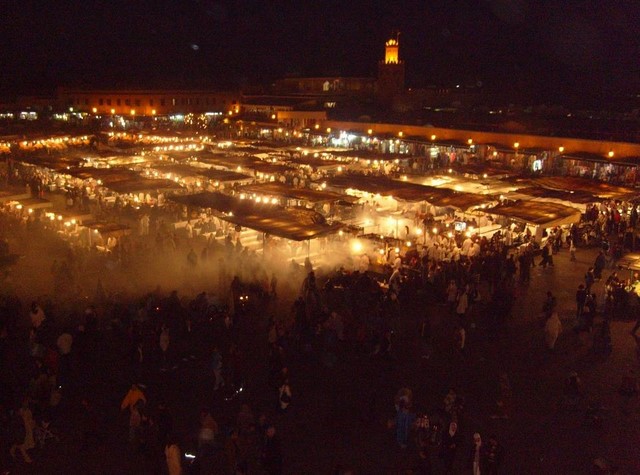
[581,299]
[493,456]
[599,265]
[272,452]
[546,257]
[589,279]
[549,304]
[450,444]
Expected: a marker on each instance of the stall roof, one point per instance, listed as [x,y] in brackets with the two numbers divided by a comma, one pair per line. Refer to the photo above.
[307,194]
[500,147]
[578,196]
[224,176]
[52,163]
[297,224]
[13,193]
[409,191]
[106,228]
[211,173]
[35,203]
[229,161]
[537,212]
[563,183]
[106,175]
[139,185]
[314,162]
[586,156]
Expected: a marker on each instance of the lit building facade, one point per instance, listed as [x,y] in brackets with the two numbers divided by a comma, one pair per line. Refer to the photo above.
[148,102]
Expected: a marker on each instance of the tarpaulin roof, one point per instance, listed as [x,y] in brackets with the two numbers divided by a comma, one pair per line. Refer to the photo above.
[139,184]
[314,162]
[52,163]
[211,173]
[537,212]
[106,175]
[409,191]
[564,183]
[297,224]
[307,194]
[35,203]
[578,196]
[13,193]
[106,228]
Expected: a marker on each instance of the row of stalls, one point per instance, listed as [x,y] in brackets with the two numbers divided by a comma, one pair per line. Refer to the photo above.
[75,227]
[290,232]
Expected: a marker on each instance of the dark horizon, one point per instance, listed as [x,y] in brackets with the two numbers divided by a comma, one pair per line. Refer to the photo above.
[547,50]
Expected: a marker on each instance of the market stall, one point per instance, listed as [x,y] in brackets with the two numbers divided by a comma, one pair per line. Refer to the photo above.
[537,216]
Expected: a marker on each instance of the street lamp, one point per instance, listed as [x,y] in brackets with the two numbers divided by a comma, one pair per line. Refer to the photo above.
[133,112]
[94,110]
[610,153]
[560,149]
[113,111]
[433,137]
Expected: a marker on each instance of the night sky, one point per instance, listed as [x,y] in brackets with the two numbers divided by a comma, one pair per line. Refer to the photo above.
[545,47]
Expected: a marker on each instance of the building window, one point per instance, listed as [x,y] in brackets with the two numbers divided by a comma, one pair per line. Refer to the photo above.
[127,102]
[108,102]
[86,102]
[77,101]
[197,102]
[100,101]
[161,102]
[150,102]
[137,102]
[118,101]
[173,101]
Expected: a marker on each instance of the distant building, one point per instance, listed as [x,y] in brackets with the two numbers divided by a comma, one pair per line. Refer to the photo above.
[148,102]
[390,72]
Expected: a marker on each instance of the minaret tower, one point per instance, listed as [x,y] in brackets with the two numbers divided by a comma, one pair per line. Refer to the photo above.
[391,71]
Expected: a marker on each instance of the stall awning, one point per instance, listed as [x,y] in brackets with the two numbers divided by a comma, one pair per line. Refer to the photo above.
[539,213]
[108,229]
[297,224]
[411,192]
[564,183]
[35,203]
[306,194]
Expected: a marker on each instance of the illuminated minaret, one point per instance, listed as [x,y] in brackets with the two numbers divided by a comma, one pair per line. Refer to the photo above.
[391,71]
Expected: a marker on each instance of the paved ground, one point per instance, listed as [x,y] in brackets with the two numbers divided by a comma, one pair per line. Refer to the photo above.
[339,413]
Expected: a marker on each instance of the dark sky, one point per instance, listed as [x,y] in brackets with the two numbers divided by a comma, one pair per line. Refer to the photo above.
[545,46]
